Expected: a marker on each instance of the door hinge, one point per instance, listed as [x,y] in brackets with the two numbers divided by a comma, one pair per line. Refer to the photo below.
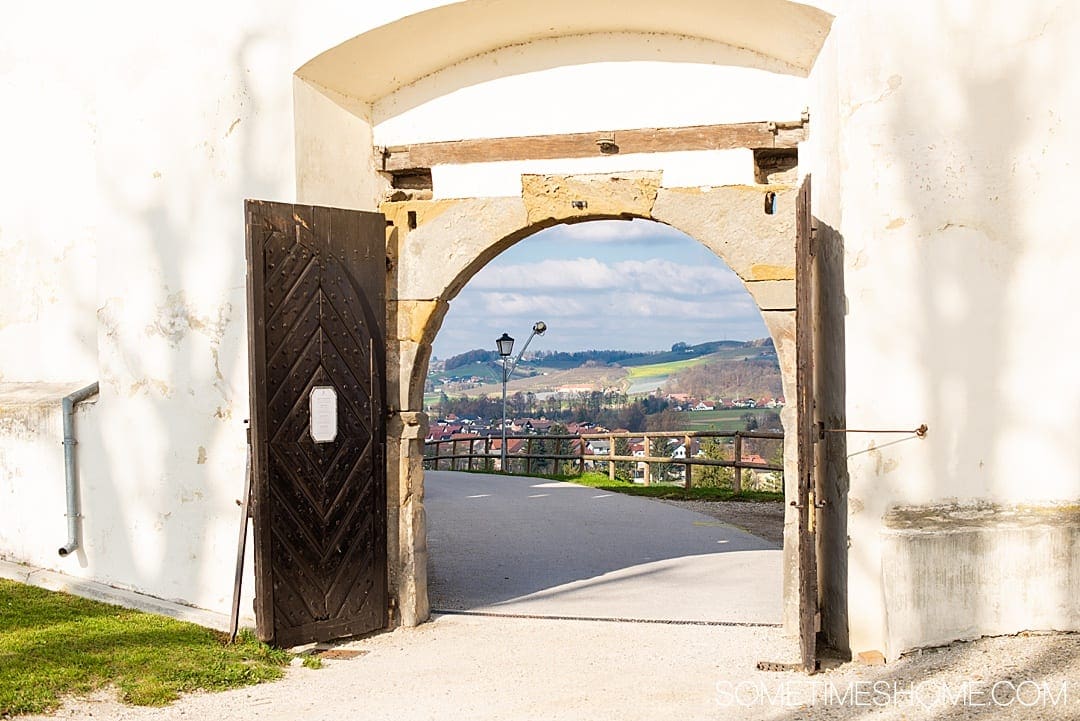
[815,505]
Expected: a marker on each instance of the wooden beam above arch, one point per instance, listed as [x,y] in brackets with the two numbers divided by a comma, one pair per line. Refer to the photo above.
[410,159]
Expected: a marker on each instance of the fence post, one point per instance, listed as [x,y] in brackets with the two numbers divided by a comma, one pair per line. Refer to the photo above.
[487,452]
[528,456]
[647,476]
[581,457]
[686,445]
[736,481]
[611,453]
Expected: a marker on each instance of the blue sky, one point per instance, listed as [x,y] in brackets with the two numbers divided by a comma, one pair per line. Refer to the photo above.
[606,284]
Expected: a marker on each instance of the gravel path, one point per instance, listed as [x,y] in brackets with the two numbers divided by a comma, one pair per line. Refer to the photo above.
[764,520]
[482,669]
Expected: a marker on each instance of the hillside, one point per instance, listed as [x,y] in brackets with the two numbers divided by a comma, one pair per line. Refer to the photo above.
[724,369]
[747,378]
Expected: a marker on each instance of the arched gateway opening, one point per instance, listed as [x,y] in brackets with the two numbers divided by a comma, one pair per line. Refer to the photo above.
[313,581]
[511,545]
[442,244]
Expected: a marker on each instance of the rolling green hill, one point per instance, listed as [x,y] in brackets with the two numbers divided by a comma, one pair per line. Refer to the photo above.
[707,370]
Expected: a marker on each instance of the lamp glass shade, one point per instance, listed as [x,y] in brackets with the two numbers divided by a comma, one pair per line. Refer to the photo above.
[505,344]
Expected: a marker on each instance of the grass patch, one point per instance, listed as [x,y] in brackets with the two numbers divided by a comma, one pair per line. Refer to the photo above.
[725,419]
[669,492]
[54,644]
[662,370]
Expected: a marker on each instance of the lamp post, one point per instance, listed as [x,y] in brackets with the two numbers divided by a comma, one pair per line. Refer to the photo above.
[505,344]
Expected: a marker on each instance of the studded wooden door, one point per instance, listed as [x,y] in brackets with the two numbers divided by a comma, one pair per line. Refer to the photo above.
[316,297]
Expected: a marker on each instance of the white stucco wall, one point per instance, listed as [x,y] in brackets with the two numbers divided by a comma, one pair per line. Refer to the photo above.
[48,201]
[133,134]
[578,84]
[943,135]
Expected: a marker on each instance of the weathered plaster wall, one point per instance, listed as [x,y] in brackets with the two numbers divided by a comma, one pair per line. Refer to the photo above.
[944,127]
[134,133]
[589,82]
[48,201]
[31,457]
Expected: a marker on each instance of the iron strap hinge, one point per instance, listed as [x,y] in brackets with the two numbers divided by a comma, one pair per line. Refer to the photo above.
[822,430]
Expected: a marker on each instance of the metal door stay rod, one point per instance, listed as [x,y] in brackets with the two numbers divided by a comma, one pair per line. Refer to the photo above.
[822,430]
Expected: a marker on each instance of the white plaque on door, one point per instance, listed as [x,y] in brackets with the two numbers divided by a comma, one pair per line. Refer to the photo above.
[323,414]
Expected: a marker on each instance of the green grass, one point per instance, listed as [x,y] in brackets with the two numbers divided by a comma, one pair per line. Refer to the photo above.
[676,493]
[728,419]
[55,644]
[661,370]
[483,370]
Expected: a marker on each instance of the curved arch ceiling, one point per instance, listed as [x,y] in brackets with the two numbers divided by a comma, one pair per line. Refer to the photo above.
[373,65]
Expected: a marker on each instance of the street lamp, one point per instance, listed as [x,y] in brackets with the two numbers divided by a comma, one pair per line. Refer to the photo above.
[505,344]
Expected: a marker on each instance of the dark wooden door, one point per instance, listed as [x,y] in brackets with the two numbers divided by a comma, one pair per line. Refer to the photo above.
[807,429]
[316,297]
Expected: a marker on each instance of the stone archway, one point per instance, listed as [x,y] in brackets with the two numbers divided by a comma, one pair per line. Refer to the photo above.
[435,247]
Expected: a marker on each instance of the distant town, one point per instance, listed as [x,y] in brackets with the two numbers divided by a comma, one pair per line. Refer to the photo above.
[664,393]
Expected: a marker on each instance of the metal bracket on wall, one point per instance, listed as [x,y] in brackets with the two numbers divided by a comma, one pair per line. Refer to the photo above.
[822,430]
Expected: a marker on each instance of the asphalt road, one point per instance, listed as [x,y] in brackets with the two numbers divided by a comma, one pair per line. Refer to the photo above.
[511,545]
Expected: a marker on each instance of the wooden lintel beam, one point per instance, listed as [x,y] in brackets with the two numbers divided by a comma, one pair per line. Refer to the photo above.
[406,158]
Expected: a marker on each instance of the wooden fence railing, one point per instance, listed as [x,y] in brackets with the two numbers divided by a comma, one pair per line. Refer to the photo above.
[482,452]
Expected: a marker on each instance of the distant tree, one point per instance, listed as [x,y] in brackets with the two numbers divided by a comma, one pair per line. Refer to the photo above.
[517,404]
[775,481]
[666,420]
[659,448]
[679,347]
[713,476]
[770,420]
[553,447]
[624,470]
[470,357]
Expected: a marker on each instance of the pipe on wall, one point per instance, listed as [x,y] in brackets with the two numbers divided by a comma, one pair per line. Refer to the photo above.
[69,403]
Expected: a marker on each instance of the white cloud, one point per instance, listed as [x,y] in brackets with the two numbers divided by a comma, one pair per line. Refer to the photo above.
[616,231]
[628,301]
[590,274]
[518,304]
[579,273]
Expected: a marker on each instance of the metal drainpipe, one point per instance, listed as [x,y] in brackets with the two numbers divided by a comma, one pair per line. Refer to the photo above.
[69,465]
